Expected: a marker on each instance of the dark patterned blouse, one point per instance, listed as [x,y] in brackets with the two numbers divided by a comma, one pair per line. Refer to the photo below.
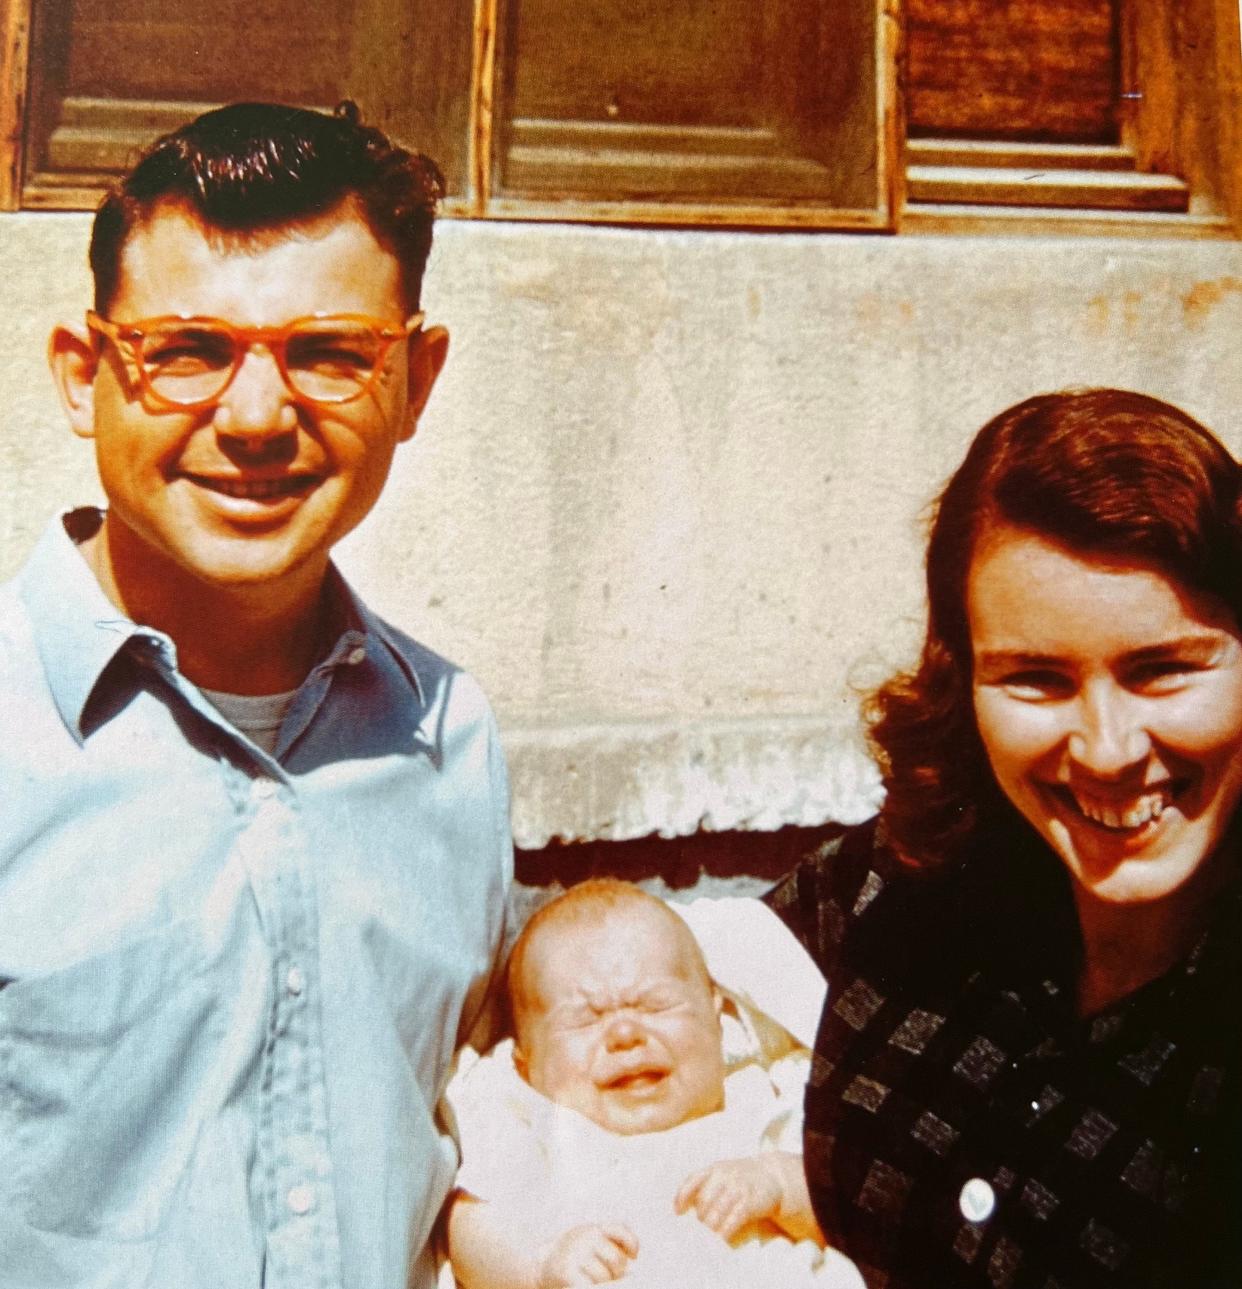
[964,1127]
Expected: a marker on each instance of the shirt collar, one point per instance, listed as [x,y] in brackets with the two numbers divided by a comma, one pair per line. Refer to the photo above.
[79,632]
[357,628]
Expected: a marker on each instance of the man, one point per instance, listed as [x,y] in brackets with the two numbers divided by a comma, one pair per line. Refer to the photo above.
[254,847]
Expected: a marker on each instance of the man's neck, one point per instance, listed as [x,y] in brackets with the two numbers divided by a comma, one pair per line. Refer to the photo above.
[249,639]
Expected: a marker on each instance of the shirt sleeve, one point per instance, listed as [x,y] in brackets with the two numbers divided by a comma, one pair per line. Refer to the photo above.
[483,1013]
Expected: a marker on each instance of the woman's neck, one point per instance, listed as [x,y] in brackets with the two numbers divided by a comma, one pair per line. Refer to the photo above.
[1127,945]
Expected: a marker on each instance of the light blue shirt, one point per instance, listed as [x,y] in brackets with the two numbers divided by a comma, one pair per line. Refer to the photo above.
[231,984]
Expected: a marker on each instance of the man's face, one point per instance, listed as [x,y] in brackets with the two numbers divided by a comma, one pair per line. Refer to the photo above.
[621,1023]
[257,487]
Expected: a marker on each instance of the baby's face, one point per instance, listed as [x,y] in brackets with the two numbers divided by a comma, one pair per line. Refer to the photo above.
[621,1023]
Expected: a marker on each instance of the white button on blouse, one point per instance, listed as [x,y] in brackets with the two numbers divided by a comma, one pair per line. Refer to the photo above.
[977,1200]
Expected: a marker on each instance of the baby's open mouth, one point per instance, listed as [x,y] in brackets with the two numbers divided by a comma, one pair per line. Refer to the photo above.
[640,1080]
[1122,814]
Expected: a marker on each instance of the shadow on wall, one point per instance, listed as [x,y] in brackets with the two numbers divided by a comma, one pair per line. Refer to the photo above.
[739,862]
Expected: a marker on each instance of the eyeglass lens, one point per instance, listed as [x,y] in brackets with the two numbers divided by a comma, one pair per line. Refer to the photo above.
[327,360]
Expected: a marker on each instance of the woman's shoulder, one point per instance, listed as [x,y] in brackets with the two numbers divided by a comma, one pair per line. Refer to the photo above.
[851,869]
[846,882]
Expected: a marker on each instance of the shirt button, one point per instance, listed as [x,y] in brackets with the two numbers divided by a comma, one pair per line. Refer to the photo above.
[977,1200]
[301,1199]
[356,655]
[264,789]
[295,981]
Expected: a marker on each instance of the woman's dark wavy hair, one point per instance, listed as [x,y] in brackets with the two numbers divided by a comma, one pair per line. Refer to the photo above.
[1100,471]
[250,167]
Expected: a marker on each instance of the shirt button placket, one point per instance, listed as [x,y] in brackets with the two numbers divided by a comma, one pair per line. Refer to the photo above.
[301,1236]
[300,1199]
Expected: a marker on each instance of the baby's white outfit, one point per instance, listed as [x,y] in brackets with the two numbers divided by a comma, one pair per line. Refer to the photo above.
[553,1169]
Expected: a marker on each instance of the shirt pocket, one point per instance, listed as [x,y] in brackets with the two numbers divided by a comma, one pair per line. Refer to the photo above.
[98,1066]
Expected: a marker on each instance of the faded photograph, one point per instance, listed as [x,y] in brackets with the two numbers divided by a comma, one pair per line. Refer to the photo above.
[620,644]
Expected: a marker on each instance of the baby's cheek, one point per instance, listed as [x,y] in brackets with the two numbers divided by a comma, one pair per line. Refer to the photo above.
[563,1068]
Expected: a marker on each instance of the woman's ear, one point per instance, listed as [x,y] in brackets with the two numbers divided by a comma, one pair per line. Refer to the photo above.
[74,359]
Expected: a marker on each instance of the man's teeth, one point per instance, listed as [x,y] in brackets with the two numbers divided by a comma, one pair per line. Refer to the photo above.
[1138,812]
[258,489]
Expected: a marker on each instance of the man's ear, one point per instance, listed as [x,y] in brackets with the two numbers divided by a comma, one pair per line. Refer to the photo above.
[428,350]
[74,360]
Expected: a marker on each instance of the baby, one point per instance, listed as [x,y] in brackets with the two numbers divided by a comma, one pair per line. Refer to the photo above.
[619,1149]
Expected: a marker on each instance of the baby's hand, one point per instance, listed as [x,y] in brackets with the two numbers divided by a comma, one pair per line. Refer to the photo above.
[588,1255]
[730,1195]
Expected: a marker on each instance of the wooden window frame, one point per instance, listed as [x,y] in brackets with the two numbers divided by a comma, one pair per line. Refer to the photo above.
[1184,121]
[1174,129]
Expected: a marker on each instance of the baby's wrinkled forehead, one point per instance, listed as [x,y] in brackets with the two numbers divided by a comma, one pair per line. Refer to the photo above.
[613,956]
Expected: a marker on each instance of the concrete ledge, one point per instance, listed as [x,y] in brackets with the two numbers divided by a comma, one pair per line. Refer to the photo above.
[620,782]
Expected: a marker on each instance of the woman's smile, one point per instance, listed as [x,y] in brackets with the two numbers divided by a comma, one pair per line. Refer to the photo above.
[1109,702]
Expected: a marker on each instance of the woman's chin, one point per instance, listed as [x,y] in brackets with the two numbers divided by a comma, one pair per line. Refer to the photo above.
[1132,865]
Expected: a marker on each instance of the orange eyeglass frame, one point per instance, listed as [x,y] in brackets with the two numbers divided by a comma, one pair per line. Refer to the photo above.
[132,335]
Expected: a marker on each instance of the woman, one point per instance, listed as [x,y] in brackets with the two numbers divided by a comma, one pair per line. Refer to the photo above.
[1027,1072]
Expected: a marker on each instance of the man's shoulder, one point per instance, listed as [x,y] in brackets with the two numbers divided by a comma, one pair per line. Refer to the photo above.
[441,681]
[27,705]
[424,661]
[17,637]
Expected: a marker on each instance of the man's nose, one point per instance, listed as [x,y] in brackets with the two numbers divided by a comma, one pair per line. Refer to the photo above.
[1109,735]
[257,404]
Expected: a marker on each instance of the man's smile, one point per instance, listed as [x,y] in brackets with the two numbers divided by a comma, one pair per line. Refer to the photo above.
[256,489]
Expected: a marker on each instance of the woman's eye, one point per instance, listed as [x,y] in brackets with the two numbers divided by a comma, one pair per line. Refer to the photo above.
[1164,673]
[1038,684]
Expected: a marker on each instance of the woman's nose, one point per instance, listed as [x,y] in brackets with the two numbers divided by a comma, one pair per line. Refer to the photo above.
[1109,736]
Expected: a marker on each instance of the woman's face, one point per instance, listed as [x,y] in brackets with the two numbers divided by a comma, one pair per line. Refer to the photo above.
[1109,701]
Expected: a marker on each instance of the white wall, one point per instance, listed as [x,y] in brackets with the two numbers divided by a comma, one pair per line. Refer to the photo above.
[665,502]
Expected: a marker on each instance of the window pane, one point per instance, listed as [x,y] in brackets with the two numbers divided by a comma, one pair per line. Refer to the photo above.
[108,75]
[1013,69]
[710,100]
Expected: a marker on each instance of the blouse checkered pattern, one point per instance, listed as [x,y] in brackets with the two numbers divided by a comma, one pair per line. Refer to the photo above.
[964,1127]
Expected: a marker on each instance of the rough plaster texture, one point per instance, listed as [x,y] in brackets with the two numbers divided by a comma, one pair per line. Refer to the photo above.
[666,500]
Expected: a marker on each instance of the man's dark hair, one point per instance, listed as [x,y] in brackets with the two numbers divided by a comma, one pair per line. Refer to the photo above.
[251,167]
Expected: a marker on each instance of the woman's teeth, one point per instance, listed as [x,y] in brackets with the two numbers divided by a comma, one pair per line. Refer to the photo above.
[1135,814]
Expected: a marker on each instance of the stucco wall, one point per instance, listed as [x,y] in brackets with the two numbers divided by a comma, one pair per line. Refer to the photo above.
[665,501]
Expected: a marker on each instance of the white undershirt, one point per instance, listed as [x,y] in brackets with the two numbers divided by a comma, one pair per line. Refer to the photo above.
[258,716]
